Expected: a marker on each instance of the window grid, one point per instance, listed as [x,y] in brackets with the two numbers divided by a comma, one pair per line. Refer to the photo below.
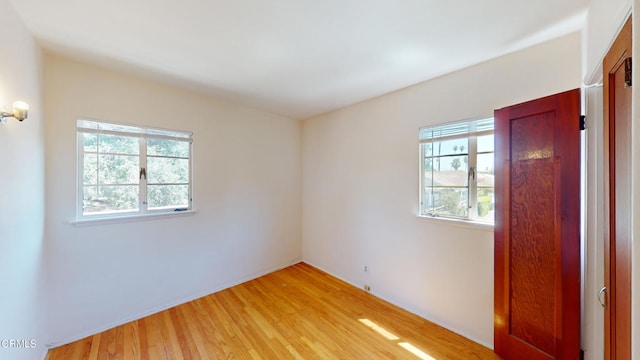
[454,196]
[142,136]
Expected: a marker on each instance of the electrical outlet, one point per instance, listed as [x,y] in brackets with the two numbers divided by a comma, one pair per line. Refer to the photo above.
[366,268]
[367,287]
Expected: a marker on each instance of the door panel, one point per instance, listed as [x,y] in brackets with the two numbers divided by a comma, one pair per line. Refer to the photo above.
[533,240]
[617,117]
[537,247]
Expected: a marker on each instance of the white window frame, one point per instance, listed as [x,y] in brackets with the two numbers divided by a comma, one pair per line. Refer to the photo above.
[142,134]
[471,129]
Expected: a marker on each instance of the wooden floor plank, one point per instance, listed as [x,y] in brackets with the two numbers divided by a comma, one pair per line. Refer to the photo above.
[297,313]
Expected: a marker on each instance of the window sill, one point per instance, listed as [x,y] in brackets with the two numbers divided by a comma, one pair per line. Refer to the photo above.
[470,224]
[130,218]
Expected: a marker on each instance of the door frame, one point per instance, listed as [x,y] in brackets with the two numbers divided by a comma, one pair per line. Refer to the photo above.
[620,49]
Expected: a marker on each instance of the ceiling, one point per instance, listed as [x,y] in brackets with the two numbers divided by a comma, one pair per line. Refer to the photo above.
[296,58]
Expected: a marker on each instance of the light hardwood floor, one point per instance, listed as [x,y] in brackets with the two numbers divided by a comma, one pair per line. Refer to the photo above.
[296,313]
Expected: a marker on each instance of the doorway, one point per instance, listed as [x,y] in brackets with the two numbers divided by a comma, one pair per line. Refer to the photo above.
[617,137]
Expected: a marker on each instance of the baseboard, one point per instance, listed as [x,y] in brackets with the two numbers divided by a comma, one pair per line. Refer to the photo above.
[407,308]
[166,306]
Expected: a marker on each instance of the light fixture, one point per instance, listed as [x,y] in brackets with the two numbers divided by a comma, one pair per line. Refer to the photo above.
[20,112]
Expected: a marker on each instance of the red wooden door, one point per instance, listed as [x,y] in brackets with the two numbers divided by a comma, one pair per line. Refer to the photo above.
[617,117]
[537,244]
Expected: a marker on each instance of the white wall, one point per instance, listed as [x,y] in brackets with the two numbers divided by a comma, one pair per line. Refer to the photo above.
[22,300]
[360,188]
[247,194]
[604,21]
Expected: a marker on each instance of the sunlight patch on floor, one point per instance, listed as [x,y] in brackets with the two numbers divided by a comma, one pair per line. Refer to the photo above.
[389,336]
[379,329]
[415,351]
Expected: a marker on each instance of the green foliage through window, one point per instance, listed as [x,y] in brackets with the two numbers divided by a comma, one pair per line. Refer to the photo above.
[131,170]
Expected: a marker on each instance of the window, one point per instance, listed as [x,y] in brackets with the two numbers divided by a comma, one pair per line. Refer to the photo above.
[131,170]
[457,170]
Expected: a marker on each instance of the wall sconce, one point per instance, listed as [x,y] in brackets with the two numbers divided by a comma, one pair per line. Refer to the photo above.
[20,112]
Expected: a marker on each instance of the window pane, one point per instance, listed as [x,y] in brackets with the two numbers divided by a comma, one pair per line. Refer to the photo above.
[168,196]
[167,170]
[110,199]
[451,147]
[427,201]
[428,166]
[451,202]
[90,142]
[485,170]
[485,143]
[449,171]
[486,203]
[427,149]
[448,150]
[90,170]
[119,144]
[110,160]
[485,163]
[168,148]
[119,169]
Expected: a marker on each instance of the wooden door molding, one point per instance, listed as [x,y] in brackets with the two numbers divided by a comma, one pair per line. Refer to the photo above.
[537,230]
[617,159]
